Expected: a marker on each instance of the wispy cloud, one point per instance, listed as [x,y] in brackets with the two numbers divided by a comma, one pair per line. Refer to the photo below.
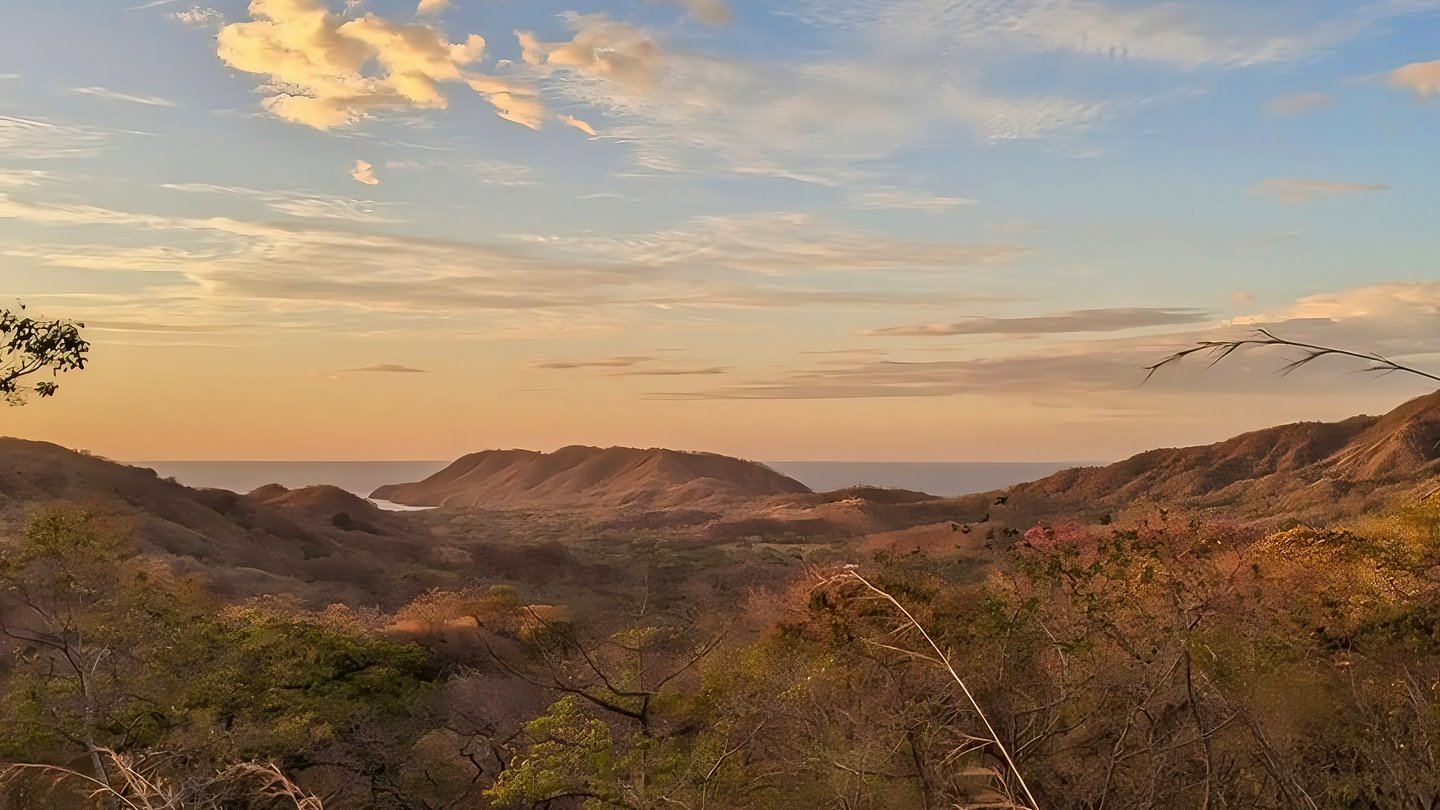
[1085,320]
[545,285]
[17,178]
[1386,318]
[1299,104]
[815,121]
[704,371]
[1216,34]
[632,366]
[298,203]
[385,368]
[908,199]
[1299,192]
[603,362]
[39,139]
[711,12]
[501,173]
[780,244]
[112,95]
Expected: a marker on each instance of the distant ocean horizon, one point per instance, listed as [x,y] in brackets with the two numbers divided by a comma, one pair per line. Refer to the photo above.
[945,478]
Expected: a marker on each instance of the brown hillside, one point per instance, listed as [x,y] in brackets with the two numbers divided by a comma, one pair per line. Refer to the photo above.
[617,477]
[243,544]
[1305,470]
[333,506]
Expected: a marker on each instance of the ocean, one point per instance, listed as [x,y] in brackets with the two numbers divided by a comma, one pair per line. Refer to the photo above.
[363,477]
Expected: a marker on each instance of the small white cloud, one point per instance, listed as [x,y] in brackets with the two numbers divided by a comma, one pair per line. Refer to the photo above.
[1299,192]
[101,92]
[1300,104]
[364,173]
[431,7]
[1420,78]
[199,16]
[572,121]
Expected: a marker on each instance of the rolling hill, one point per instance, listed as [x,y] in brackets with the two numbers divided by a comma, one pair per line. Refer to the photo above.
[1308,470]
[578,476]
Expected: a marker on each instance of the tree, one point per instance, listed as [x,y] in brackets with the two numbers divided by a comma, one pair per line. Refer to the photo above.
[29,346]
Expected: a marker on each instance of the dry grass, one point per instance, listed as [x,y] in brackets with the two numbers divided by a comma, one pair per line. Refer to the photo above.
[132,782]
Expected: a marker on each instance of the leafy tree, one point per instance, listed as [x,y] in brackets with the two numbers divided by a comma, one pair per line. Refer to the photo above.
[29,346]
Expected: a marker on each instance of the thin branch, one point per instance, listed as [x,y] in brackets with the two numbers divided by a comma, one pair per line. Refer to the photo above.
[1218,350]
[945,661]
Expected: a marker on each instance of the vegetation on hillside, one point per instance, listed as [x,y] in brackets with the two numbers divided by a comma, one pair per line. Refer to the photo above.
[1167,662]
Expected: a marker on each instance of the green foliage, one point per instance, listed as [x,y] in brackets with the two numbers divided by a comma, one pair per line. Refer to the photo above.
[29,346]
[116,653]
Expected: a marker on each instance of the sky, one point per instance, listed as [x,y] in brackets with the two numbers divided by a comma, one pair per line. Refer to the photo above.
[920,230]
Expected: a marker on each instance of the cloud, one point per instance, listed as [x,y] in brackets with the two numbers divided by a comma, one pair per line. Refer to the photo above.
[707,371]
[779,244]
[600,49]
[198,16]
[325,71]
[431,7]
[364,173]
[151,4]
[711,12]
[1420,78]
[604,362]
[1187,36]
[1299,192]
[814,121]
[501,173]
[1084,320]
[217,268]
[907,200]
[101,92]
[632,366]
[514,101]
[303,204]
[1399,320]
[18,178]
[1300,104]
[572,121]
[386,368]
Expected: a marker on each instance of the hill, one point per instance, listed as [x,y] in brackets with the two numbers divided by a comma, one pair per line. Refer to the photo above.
[616,477]
[275,542]
[334,507]
[1309,470]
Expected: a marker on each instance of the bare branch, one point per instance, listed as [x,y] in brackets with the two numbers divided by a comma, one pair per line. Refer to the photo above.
[1217,350]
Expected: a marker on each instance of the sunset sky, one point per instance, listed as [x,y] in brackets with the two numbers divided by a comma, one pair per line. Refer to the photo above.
[780,229]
